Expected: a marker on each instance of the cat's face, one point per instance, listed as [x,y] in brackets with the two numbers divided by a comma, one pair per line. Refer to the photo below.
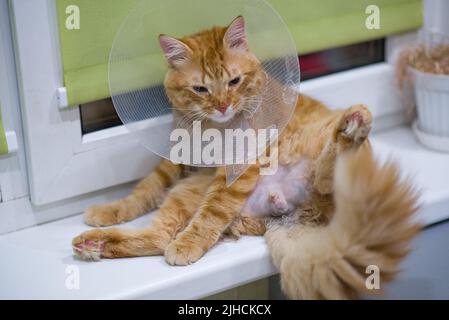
[212,75]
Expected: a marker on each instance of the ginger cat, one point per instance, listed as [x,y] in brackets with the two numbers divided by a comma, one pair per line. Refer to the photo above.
[209,74]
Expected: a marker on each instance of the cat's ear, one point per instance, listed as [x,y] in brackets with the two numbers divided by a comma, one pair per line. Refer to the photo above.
[235,36]
[176,52]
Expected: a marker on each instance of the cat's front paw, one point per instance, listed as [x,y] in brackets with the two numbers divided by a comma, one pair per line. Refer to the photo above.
[355,125]
[182,253]
[105,215]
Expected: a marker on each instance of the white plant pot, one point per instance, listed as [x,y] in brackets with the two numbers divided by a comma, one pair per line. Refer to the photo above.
[432,103]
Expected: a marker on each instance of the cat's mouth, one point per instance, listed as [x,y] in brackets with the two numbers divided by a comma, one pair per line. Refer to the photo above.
[223,116]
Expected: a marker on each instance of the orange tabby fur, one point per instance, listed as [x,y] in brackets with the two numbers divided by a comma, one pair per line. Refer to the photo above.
[200,208]
[372,226]
[196,208]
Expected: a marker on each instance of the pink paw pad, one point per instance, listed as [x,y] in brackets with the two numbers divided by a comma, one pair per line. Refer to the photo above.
[89,250]
[354,123]
[356,117]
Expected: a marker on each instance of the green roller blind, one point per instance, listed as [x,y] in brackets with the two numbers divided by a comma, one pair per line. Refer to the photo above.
[315,25]
[3,142]
[85,51]
[323,24]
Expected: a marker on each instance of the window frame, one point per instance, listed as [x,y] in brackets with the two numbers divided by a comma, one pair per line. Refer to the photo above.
[54,172]
[64,164]
[13,179]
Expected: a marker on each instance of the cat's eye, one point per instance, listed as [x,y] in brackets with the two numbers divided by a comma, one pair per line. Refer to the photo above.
[234,82]
[200,89]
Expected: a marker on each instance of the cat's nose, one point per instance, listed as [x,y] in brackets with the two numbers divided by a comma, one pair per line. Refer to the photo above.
[223,108]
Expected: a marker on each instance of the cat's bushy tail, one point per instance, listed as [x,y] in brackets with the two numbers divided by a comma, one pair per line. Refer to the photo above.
[373,225]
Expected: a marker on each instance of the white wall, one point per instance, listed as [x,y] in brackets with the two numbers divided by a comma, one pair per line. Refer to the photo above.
[436,16]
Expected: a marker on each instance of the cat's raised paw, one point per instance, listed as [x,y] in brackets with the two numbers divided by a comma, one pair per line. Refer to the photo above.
[180,253]
[356,124]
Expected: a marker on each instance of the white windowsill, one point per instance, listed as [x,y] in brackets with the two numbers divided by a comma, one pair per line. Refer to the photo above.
[35,259]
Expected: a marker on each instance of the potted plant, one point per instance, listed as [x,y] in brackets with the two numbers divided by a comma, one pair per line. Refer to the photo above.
[424,68]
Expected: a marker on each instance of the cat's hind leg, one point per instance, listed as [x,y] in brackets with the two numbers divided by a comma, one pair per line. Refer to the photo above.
[172,217]
[145,197]
[246,225]
[351,131]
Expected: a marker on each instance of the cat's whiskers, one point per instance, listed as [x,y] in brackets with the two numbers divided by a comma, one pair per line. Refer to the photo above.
[187,118]
[249,105]
[198,116]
